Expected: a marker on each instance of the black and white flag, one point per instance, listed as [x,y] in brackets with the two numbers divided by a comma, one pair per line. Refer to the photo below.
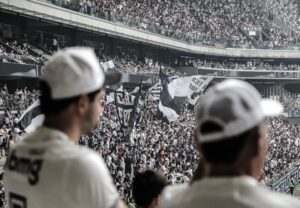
[168,105]
[126,103]
[175,93]
[31,118]
[155,90]
[191,87]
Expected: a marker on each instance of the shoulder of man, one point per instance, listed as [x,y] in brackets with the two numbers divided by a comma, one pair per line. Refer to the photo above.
[172,193]
[94,185]
[262,196]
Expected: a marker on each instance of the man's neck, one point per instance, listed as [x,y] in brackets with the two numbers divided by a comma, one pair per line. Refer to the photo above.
[68,128]
[226,171]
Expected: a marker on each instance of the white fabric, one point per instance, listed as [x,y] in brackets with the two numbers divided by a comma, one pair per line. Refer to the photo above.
[110,98]
[186,86]
[168,112]
[32,106]
[73,71]
[171,192]
[70,176]
[236,192]
[35,123]
[154,91]
[31,73]
[107,65]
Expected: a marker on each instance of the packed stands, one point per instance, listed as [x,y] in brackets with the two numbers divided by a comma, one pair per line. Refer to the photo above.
[159,149]
[228,23]
[249,65]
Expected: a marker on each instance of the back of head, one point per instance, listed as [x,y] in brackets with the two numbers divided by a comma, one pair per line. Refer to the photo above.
[147,186]
[227,151]
[229,117]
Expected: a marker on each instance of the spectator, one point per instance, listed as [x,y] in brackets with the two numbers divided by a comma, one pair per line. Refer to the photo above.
[232,143]
[58,170]
[146,189]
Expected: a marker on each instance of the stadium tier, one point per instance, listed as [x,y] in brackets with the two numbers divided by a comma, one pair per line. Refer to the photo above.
[171,54]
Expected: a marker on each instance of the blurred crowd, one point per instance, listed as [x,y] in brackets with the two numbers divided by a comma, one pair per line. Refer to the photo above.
[21,52]
[168,148]
[165,147]
[282,151]
[249,65]
[19,100]
[128,62]
[233,22]
[287,99]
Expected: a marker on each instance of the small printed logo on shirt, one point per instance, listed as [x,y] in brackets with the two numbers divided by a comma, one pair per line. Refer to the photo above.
[26,166]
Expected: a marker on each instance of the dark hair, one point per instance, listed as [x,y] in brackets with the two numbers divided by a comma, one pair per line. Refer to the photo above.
[50,106]
[226,151]
[146,186]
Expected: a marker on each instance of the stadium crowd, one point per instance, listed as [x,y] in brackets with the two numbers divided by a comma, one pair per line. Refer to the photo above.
[17,51]
[129,63]
[239,23]
[282,151]
[21,52]
[169,149]
[13,104]
[166,148]
[249,65]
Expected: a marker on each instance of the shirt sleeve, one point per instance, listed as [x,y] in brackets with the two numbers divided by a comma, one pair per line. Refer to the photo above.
[90,183]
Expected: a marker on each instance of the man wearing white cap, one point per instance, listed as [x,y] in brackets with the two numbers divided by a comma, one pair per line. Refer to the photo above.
[231,137]
[48,168]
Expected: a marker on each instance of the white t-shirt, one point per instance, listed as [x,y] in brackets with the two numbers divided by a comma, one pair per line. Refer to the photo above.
[235,192]
[171,192]
[46,169]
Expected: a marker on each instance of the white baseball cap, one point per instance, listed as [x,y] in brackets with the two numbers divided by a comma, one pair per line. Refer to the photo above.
[234,106]
[74,71]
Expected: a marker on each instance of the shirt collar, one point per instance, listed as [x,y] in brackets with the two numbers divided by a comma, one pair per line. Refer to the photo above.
[47,134]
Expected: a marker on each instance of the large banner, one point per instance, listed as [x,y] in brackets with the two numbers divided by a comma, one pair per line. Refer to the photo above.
[155,90]
[191,87]
[267,74]
[175,93]
[292,113]
[22,70]
[168,105]
[127,111]
[235,73]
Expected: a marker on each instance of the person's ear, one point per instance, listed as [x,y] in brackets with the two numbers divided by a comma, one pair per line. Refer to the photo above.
[82,105]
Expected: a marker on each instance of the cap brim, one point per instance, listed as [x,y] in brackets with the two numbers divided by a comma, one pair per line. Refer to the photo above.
[112,77]
[271,107]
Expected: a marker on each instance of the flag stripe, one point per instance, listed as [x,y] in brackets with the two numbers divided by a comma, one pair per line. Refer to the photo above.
[26,119]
